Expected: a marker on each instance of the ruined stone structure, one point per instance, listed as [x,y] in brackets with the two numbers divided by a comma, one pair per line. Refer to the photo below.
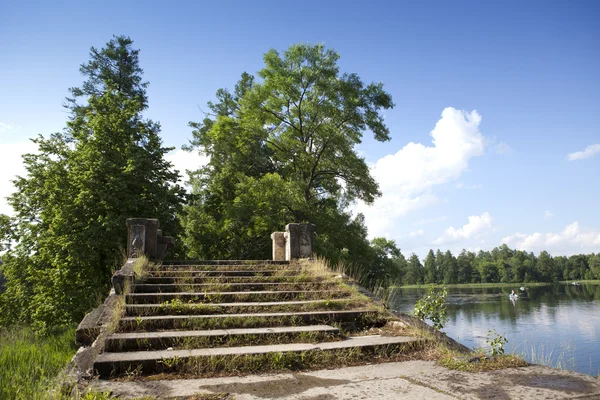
[145,238]
[296,242]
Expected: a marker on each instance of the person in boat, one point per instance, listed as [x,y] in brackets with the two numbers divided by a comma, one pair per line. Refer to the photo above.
[512,293]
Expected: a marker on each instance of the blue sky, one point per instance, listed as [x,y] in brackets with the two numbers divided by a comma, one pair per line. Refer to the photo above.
[502,173]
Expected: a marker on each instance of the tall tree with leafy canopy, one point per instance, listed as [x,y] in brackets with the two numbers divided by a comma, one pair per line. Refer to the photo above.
[70,208]
[281,150]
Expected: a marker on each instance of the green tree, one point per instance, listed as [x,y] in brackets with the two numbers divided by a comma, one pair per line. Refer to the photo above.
[388,264]
[450,268]
[281,150]
[70,208]
[430,268]
[464,264]
[594,263]
[414,271]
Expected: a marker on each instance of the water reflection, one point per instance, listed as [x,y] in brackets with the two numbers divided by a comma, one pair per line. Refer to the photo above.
[546,322]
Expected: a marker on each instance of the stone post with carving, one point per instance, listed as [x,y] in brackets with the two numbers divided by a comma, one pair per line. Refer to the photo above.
[299,241]
[142,236]
[278,246]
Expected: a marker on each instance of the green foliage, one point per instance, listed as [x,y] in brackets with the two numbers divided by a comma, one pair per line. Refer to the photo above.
[496,342]
[281,150]
[500,265]
[432,307]
[29,364]
[70,208]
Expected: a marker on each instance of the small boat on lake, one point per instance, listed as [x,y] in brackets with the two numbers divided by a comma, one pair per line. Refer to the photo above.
[576,283]
[522,288]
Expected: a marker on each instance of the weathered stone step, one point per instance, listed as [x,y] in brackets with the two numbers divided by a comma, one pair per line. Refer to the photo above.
[299,355]
[229,287]
[349,319]
[233,267]
[217,337]
[186,272]
[240,307]
[220,297]
[230,279]
[226,262]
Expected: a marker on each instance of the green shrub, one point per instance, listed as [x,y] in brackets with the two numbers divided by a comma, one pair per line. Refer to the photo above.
[432,307]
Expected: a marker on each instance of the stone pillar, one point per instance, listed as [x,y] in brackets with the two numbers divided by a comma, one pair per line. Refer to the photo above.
[142,236]
[278,246]
[299,241]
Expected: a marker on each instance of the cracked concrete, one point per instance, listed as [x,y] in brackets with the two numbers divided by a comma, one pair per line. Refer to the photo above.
[413,379]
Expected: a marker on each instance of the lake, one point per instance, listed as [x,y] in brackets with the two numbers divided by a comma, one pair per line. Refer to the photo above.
[556,325]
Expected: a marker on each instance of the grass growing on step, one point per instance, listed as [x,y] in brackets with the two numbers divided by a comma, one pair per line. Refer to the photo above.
[278,361]
[183,343]
[233,321]
[29,364]
[140,267]
[177,307]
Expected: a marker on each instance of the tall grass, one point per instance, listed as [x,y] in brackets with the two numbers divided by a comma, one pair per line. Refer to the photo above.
[29,364]
[560,356]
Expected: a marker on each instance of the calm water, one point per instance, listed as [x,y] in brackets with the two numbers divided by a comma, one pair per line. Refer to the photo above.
[551,324]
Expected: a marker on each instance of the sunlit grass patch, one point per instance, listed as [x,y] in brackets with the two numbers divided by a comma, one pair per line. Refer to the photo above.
[29,364]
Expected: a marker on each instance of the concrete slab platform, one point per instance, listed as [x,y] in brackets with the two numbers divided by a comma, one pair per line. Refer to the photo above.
[415,380]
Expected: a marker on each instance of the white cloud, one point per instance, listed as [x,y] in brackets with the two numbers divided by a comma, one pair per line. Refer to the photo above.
[5,127]
[476,225]
[589,151]
[12,165]
[419,232]
[548,214]
[573,239]
[427,221]
[407,177]
[184,160]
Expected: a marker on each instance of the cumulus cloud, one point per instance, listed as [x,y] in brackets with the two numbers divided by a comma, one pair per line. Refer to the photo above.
[476,225]
[184,160]
[407,177]
[589,151]
[573,239]
[548,214]
[12,165]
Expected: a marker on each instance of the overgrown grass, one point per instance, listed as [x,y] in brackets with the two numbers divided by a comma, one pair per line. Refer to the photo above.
[30,364]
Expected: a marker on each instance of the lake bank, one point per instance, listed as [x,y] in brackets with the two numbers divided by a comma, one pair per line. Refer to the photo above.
[484,285]
[556,325]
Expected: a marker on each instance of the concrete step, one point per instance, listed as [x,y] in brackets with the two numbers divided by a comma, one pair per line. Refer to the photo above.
[251,272]
[226,262]
[165,278]
[139,310]
[269,357]
[242,267]
[217,337]
[348,319]
[229,287]
[220,297]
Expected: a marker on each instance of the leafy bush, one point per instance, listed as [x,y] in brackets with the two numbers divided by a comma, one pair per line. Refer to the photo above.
[432,307]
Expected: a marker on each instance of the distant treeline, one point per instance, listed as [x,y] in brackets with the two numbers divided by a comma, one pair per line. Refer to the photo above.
[501,265]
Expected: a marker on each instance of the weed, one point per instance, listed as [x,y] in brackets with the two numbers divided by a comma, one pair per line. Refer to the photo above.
[496,342]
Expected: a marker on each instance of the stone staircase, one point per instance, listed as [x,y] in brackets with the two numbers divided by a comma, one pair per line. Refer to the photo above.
[194,319]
